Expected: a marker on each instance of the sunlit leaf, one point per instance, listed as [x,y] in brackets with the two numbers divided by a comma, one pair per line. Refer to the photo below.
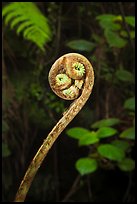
[111,152]
[28,19]
[77,132]
[86,165]
[106,132]
[130,20]
[89,138]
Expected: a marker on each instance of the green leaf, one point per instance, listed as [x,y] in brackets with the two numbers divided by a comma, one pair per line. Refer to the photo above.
[22,26]
[77,132]
[130,104]
[111,152]
[89,138]
[106,132]
[127,164]
[123,33]
[114,40]
[132,34]
[5,150]
[124,75]
[128,134]
[124,145]
[107,22]
[106,17]
[27,18]
[81,45]
[86,165]
[27,31]
[105,122]
[17,20]
[130,20]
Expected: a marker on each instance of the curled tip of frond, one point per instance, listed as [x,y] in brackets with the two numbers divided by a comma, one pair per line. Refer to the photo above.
[72,92]
[79,68]
[63,81]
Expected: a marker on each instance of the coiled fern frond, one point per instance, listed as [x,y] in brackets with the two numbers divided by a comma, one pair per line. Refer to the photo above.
[25,17]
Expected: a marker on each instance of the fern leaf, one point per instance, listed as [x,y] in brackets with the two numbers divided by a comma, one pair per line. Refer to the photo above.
[9,17]
[22,26]
[8,9]
[28,30]
[29,20]
[17,21]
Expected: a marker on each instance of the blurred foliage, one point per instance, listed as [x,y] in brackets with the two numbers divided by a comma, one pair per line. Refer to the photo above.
[100,147]
[29,20]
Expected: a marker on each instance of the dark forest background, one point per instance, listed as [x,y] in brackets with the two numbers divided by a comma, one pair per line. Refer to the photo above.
[93,159]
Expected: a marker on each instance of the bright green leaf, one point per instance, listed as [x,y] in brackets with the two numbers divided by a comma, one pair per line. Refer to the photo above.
[89,138]
[124,75]
[127,164]
[77,132]
[111,152]
[124,145]
[86,165]
[130,20]
[34,27]
[5,150]
[106,132]
[130,104]
[114,40]
[128,133]
[81,45]
[106,122]
[118,18]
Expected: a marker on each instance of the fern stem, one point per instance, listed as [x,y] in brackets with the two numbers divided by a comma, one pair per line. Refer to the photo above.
[68,116]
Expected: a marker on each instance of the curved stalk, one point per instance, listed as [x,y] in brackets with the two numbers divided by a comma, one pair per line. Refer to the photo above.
[63,64]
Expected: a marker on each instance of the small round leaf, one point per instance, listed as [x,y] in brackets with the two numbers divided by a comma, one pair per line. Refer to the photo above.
[127,164]
[77,132]
[106,132]
[111,152]
[86,165]
[89,138]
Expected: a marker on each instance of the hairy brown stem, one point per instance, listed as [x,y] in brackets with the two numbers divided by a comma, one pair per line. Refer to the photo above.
[73,110]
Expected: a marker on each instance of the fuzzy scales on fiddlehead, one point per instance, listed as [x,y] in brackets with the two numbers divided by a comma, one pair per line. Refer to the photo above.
[71,77]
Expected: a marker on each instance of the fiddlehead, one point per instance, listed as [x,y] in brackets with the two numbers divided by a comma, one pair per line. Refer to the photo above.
[71,77]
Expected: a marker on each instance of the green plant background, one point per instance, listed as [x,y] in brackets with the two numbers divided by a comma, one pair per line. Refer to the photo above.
[93,159]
